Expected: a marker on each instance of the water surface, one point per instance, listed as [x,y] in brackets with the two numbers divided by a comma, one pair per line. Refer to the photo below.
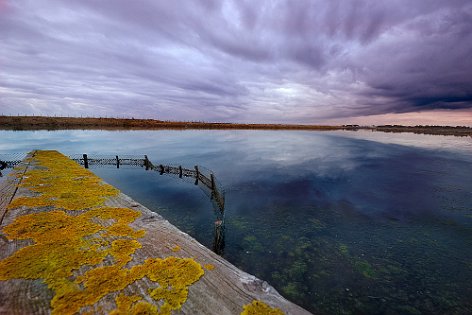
[339,222]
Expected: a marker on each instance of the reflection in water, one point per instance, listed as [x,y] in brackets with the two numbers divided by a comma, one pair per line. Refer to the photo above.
[219,234]
[339,222]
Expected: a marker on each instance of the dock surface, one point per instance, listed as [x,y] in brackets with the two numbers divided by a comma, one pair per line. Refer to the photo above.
[72,244]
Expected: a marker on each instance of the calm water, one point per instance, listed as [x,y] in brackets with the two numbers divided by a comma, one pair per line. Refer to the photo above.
[338,222]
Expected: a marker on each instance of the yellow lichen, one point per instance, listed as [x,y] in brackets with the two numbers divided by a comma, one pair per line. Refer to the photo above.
[176,248]
[99,237]
[260,308]
[124,303]
[127,305]
[61,183]
[209,267]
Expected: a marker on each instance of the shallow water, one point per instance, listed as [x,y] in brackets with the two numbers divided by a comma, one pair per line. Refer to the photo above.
[338,222]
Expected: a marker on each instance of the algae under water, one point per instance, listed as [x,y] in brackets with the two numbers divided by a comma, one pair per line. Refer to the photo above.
[338,222]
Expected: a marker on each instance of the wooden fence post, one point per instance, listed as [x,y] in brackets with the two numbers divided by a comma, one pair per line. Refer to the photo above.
[161,169]
[146,162]
[85,161]
[180,171]
[198,174]
[117,162]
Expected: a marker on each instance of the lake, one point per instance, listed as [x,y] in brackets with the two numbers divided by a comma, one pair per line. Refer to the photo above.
[338,222]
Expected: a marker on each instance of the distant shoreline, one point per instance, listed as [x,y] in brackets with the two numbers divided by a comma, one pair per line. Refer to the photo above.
[65,123]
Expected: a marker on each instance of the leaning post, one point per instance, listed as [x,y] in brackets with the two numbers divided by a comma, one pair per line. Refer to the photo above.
[85,161]
[212,182]
[198,174]
[146,162]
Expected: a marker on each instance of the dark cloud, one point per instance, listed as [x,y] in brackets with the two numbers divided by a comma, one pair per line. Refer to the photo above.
[427,67]
[274,61]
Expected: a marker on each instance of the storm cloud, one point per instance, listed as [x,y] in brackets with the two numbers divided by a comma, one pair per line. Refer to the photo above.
[242,61]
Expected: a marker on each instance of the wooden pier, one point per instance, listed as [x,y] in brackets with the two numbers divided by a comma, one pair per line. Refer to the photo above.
[69,250]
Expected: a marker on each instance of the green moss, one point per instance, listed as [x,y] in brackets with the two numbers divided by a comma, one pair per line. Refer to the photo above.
[250,243]
[63,243]
[250,238]
[365,268]
[260,308]
[409,310]
[297,270]
[343,249]
[317,224]
[290,290]
[239,224]
[302,246]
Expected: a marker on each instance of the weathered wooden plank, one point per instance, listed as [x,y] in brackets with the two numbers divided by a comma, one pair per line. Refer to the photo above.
[8,188]
[222,289]
[226,287]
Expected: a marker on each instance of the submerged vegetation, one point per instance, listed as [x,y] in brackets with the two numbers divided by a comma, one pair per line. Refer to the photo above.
[329,274]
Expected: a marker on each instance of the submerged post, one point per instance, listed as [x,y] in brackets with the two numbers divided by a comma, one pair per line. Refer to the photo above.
[180,171]
[198,174]
[219,237]
[85,161]
[161,169]
[146,162]
[117,162]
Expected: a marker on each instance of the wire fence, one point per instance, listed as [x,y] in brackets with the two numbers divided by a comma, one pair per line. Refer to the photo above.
[199,175]
[11,159]
[98,160]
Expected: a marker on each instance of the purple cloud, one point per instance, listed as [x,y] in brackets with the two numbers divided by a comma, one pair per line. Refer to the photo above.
[270,61]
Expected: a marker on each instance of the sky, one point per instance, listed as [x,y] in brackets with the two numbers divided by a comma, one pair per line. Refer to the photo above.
[277,61]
